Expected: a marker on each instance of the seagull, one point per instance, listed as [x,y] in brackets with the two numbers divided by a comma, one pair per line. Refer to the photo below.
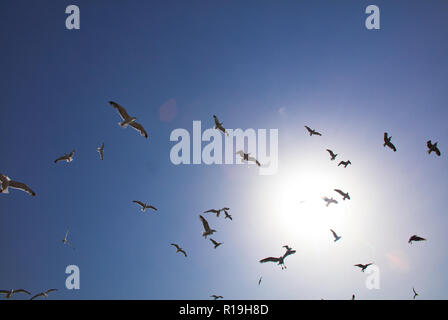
[43,294]
[259,280]
[312,131]
[344,163]
[66,157]
[218,212]
[144,205]
[207,230]
[65,241]
[216,244]
[128,120]
[280,260]
[245,157]
[336,237]
[179,249]
[329,200]
[415,238]
[101,151]
[8,183]
[433,147]
[218,125]
[228,216]
[332,154]
[415,293]
[9,293]
[388,143]
[363,266]
[214,296]
[345,195]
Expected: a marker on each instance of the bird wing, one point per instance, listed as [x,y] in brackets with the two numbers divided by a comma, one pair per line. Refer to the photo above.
[331,153]
[214,242]
[270,259]
[437,151]
[21,186]
[205,224]
[50,290]
[429,144]
[177,246]
[4,291]
[359,265]
[334,233]
[211,210]
[65,157]
[139,203]
[340,192]
[309,129]
[122,111]
[22,290]
[216,121]
[385,137]
[4,178]
[137,126]
[37,295]
[152,207]
[289,252]
[391,145]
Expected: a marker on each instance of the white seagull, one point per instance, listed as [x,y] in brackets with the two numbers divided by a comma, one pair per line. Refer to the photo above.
[144,206]
[65,241]
[43,294]
[207,230]
[68,157]
[128,120]
[9,293]
[8,183]
[101,151]
[329,201]
[247,158]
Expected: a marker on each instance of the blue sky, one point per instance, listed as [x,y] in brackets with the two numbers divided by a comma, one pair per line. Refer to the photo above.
[256,64]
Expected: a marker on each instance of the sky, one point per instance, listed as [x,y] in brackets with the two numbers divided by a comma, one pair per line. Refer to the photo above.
[255,64]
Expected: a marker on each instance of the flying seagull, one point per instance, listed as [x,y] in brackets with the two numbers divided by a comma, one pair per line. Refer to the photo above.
[329,201]
[415,238]
[344,163]
[415,293]
[8,183]
[433,147]
[246,157]
[179,249]
[259,280]
[128,120]
[312,131]
[215,243]
[43,294]
[363,266]
[336,237]
[65,240]
[218,125]
[9,293]
[207,230]
[214,296]
[66,157]
[228,216]
[345,195]
[280,260]
[144,206]
[332,154]
[387,142]
[101,151]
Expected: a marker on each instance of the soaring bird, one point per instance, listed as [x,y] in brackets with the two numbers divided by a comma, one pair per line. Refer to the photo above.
[218,211]
[43,294]
[9,293]
[329,201]
[179,249]
[247,158]
[65,241]
[8,183]
[280,260]
[387,142]
[259,280]
[312,131]
[66,157]
[228,216]
[128,120]
[218,125]
[215,243]
[344,163]
[433,147]
[415,293]
[215,297]
[363,266]
[207,230]
[332,154]
[144,206]
[336,237]
[415,238]
[101,151]
[344,195]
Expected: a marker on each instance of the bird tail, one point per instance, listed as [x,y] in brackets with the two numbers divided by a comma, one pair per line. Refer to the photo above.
[123,124]
[4,191]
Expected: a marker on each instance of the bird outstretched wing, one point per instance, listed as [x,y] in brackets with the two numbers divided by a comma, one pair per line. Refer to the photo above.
[270,259]
[121,111]
[21,186]
[205,224]
[137,126]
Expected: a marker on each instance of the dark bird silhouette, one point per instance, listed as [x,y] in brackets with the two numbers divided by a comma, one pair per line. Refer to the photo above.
[433,147]
[9,293]
[218,211]
[8,183]
[344,163]
[144,206]
[388,143]
[68,157]
[329,201]
[259,280]
[101,151]
[332,154]
[128,120]
[247,158]
[43,294]
[336,237]
[415,293]
[353,297]
[415,238]
[207,230]
[280,260]
[312,131]
[344,195]
[363,266]
[218,125]
[215,243]
[179,249]
[215,297]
